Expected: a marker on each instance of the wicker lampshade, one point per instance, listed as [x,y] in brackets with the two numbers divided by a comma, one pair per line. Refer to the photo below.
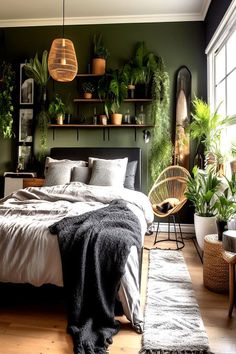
[62,61]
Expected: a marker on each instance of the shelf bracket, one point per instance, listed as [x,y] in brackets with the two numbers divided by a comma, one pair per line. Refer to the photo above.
[135,134]
[53,134]
[77,134]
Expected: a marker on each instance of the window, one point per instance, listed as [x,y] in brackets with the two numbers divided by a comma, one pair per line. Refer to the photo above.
[221,58]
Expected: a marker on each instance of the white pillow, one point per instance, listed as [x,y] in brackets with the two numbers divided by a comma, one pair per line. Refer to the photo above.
[81,174]
[58,173]
[49,160]
[108,172]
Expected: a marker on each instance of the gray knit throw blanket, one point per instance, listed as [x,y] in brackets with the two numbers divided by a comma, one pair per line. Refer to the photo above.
[94,248]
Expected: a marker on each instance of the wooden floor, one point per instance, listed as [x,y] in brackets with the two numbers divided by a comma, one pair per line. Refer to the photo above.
[33,327]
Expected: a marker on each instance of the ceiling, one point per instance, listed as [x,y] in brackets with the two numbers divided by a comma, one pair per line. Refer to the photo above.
[17,13]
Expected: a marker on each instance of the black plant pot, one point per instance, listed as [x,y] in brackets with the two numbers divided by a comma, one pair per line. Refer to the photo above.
[221,227]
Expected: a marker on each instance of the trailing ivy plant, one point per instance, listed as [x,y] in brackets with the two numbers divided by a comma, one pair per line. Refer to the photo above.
[7,77]
[162,148]
[39,72]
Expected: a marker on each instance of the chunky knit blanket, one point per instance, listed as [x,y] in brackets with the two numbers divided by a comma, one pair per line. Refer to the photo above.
[94,248]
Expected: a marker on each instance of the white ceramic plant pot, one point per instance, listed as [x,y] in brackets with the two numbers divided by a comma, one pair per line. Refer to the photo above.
[204,225]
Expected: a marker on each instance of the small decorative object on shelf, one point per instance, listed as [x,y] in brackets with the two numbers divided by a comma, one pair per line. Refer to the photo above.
[141,116]
[88,89]
[126,117]
[57,109]
[103,119]
[95,118]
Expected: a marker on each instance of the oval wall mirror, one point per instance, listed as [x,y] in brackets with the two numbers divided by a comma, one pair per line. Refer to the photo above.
[182,117]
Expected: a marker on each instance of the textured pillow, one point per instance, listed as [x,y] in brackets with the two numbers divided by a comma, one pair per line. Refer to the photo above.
[49,160]
[58,173]
[81,174]
[123,162]
[108,172]
[130,174]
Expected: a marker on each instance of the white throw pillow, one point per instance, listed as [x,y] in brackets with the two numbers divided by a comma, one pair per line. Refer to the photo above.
[108,172]
[49,160]
[81,174]
[58,173]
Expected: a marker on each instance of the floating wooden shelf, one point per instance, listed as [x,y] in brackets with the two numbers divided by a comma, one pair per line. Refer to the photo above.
[104,128]
[88,75]
[94,100]
[79,126]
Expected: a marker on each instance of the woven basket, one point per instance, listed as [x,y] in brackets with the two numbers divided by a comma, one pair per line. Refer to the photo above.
[215,268]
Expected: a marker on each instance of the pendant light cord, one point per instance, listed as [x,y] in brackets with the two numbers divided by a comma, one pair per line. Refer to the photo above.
[63,24]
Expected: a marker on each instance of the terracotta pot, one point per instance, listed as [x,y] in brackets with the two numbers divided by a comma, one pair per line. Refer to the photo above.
[233,166]
[116,118]
[87,95]
[98,66]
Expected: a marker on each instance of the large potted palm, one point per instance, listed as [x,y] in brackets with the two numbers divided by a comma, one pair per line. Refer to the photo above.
[201,191]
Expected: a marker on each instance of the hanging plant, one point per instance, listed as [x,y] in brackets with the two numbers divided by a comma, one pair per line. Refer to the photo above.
[39,72]
[7,77]
[162,147]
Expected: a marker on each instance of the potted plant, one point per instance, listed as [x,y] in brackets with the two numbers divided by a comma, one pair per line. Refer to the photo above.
[116,93]
[57,109]
[88,89]
[131,77]
[143,65]
[7,76]
[201,189]
[206,129]
[100,55]
[225,206]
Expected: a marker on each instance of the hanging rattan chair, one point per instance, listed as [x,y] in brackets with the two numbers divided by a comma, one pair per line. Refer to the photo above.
[167,198]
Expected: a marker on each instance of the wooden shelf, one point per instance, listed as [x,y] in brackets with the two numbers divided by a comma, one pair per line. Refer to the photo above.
[88,75]
[79,126]
[96,100]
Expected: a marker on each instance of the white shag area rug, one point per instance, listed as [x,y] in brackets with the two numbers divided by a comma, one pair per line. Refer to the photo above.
[172,320]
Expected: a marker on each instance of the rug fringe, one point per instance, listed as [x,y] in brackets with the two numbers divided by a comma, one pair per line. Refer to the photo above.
[160,351]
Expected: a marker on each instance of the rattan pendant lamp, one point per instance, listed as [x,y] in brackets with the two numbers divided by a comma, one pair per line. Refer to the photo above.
[62,61]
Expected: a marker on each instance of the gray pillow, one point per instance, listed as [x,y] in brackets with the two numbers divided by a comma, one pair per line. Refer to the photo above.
[108,172]
[81,174]
[58,173]
[130,174]
[49,160]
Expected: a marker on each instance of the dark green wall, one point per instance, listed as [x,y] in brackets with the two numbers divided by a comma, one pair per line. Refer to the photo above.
[178,44]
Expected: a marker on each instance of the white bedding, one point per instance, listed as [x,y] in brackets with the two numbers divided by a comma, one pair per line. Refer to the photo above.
[29,253]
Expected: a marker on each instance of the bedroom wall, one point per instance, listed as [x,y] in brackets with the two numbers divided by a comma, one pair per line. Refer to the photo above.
[178,43]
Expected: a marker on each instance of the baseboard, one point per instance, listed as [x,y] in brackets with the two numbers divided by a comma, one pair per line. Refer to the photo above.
[163,227]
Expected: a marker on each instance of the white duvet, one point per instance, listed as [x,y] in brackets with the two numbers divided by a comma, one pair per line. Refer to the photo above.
[29,253]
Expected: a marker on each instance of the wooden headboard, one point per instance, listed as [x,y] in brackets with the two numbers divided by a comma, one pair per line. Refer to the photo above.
[83,153]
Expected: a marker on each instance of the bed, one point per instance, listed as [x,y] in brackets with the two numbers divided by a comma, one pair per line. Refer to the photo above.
[28,251]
